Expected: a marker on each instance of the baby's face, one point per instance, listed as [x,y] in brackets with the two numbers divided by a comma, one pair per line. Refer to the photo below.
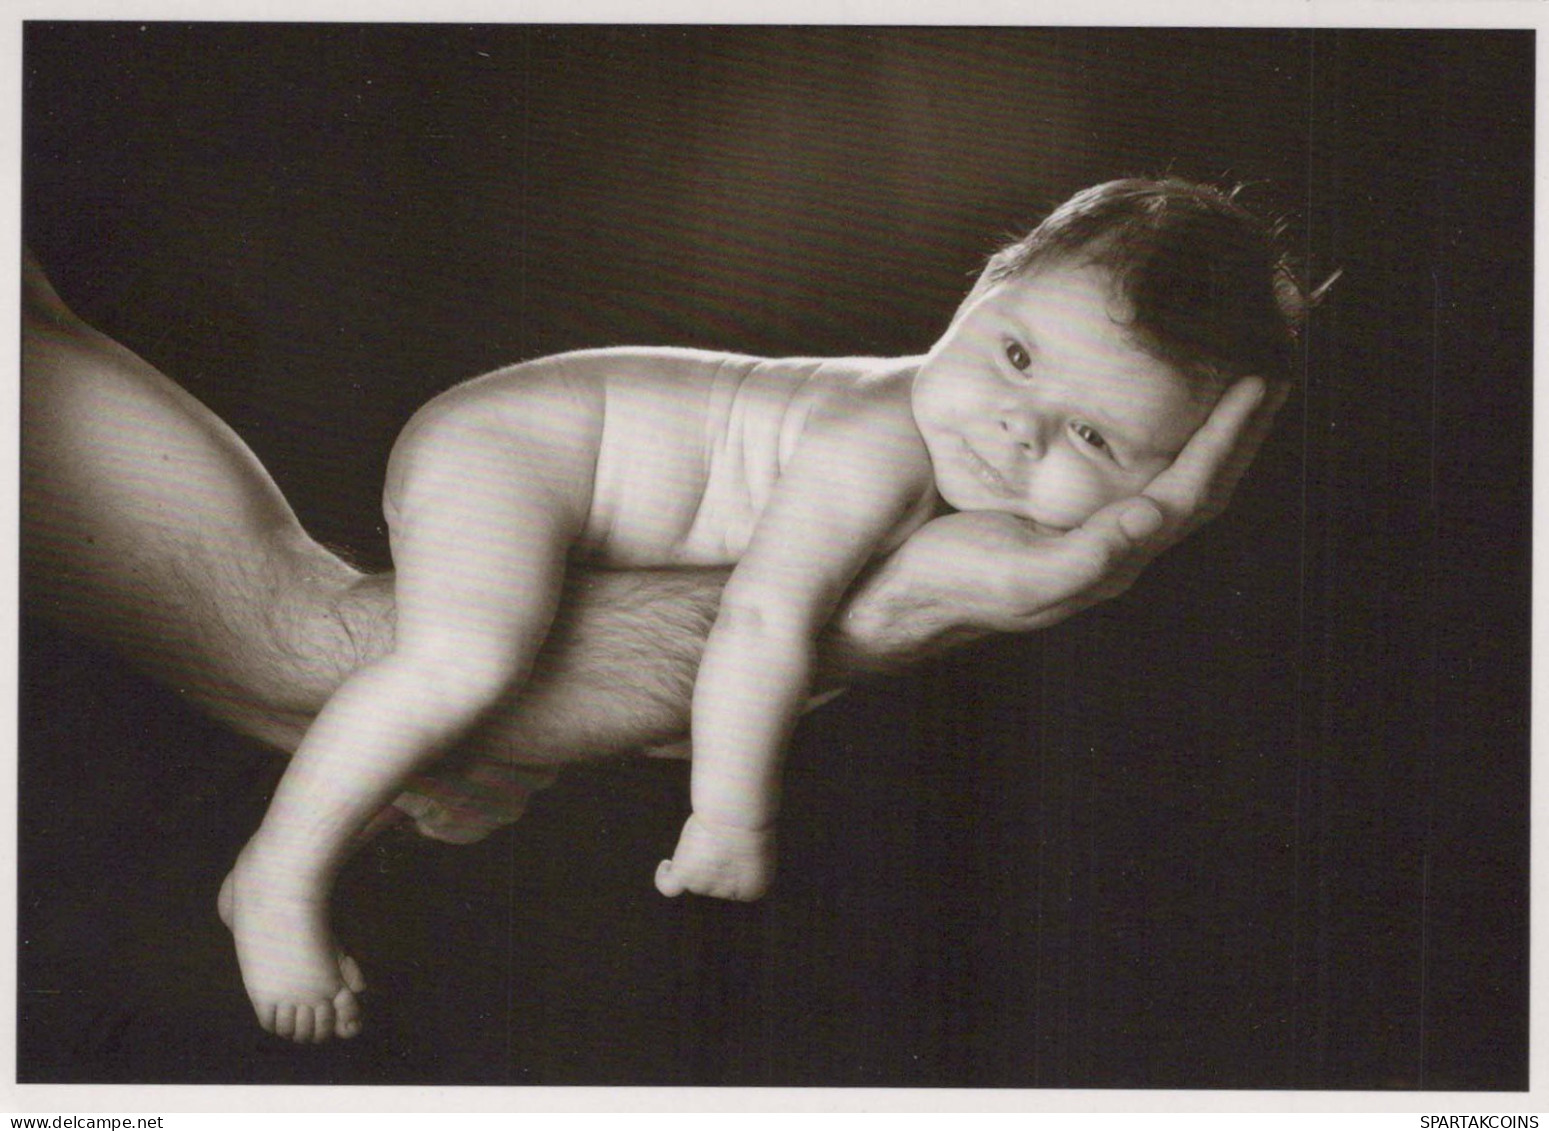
[1037,403]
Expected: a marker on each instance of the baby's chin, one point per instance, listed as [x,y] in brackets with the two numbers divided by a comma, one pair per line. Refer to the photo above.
[1071,518]
[967,496]
[1038,526]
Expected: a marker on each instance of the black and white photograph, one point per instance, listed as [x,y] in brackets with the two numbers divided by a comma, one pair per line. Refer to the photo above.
[757,555]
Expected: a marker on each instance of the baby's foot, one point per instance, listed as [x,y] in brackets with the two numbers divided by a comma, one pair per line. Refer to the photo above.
[302,986]
[724,861]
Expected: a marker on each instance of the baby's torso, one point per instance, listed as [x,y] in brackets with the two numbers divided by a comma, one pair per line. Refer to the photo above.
[690,445]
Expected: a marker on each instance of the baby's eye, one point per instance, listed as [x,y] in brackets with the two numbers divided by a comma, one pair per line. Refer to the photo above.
[1017,355]
[1090,435]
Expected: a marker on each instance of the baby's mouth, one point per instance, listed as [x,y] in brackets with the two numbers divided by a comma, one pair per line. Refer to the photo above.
[985,472]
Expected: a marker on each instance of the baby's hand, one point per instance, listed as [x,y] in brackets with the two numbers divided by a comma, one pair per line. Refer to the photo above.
[724,861]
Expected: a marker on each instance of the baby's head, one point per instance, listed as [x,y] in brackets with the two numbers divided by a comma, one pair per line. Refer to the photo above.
[1090,350]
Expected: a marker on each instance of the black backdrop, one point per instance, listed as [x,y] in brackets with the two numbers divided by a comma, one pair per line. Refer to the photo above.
[1262,823]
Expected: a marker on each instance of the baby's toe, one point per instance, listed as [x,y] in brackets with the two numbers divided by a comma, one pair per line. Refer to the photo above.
[266,1015]
[346,1014]
[284,1021]
[667,881]
[302,1034]
[322,1022]
[349,970]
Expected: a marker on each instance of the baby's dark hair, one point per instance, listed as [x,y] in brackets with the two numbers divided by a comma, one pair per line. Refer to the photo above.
[1212,291]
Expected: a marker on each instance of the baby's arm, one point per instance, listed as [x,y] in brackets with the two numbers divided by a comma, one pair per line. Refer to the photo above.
[855,478]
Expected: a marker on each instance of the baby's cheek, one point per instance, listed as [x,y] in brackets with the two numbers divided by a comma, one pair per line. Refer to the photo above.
[1067,493]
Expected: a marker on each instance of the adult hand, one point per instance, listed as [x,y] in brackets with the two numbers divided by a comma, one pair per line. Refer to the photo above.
[970,574]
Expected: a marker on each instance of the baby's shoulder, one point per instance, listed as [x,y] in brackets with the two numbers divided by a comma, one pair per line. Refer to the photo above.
[863,395]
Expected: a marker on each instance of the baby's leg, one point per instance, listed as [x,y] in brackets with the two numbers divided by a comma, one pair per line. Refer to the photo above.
[480,556]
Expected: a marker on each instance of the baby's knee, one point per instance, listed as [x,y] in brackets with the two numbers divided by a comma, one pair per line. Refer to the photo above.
[465,682]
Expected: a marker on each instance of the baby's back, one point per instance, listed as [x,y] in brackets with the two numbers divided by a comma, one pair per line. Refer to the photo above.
[689,444]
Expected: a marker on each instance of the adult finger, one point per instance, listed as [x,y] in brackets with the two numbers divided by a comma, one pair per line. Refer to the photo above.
[385,818]
[1095,562]
[1194,490]
[1201,480]
[1249,440]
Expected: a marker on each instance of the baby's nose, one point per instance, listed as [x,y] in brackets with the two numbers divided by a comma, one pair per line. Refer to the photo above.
[1027,430]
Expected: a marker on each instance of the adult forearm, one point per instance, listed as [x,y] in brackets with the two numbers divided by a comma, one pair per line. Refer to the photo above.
[617,671]
[884,626]
[619,667]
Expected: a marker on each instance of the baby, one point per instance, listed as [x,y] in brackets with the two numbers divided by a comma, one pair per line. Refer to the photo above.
[1084,358]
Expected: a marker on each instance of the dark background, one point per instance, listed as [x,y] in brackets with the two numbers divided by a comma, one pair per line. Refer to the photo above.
[1263,823]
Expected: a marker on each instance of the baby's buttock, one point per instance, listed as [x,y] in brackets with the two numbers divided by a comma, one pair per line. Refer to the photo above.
[418,455]
[393,487]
